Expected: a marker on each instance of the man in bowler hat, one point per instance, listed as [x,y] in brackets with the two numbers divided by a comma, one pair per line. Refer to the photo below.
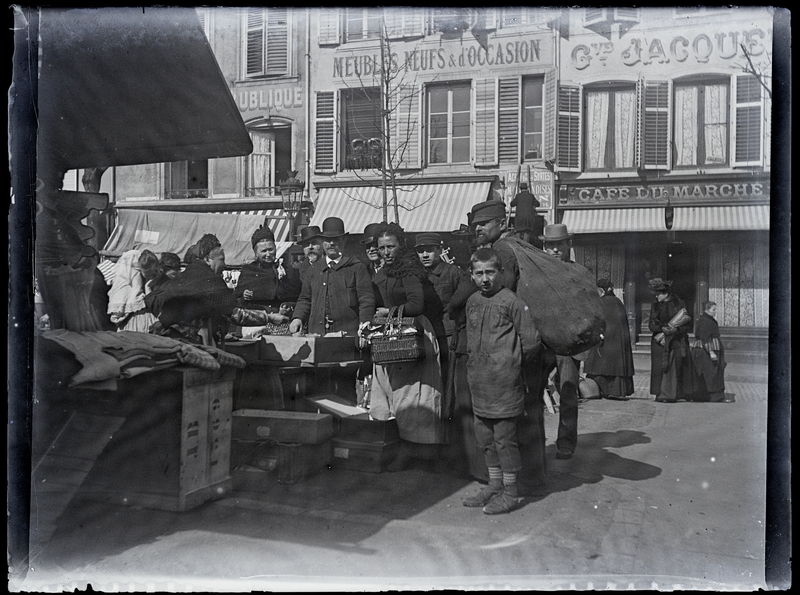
[337,292]
[527,223]
[370,243]
[311,242]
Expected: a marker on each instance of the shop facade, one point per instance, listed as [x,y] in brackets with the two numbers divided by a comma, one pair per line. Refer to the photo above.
[663,157]
[455,102]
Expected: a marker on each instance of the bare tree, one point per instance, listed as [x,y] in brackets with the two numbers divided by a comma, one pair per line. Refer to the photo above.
[762,71]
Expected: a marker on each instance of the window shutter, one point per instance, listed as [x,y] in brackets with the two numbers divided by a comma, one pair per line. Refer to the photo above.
[413,22]
[487,19]
[277,41]
[325,139]
[655,124]
[393,17]
[255,42]
[508,126]
[747,121]
[484,108]
[550,115]
[512,16]
[626,15]
[405,123]
[568,131]
[329,30]
[593,16]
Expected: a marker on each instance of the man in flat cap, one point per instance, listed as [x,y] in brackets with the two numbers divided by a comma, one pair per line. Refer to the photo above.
[489,221]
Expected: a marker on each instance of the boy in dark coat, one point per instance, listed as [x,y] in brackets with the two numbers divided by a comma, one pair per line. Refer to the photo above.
[501,340]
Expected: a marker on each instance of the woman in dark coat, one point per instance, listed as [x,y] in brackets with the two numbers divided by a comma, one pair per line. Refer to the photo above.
[411,392]
[708,357]
[610,364]
[667,359]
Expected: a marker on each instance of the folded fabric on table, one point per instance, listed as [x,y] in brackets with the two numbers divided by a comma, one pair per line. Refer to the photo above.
[223,357]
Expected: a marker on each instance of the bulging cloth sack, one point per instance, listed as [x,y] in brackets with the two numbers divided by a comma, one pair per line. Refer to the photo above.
[562,297]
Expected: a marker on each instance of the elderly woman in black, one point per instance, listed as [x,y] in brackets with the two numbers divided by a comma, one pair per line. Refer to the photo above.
[669,347]
[410,392]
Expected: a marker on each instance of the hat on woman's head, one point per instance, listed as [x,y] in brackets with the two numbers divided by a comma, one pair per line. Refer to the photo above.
[309,233]
[659,284]
[370,233]
[605,284]
[555,232]
[333,227]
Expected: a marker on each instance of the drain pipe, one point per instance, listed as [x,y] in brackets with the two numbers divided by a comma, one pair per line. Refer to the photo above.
[307,192]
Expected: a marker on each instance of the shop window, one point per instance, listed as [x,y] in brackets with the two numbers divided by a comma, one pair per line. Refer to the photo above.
[363,23]
[701,124]
[449,123]
[363,129]
[187,179]
[610,128]
[267,42]
[404,22]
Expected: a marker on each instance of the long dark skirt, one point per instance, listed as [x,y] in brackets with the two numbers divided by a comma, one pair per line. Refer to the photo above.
[614,386]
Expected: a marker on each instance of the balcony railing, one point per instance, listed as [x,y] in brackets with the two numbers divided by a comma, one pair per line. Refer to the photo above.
[363,153]
[263,191]
[187,193]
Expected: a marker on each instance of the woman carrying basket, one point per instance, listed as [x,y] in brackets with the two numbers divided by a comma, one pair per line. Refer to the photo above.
[409,391]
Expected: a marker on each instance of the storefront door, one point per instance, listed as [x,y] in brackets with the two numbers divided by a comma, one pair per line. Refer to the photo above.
[682,271]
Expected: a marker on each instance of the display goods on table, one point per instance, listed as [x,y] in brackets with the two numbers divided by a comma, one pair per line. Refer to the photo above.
[308,349]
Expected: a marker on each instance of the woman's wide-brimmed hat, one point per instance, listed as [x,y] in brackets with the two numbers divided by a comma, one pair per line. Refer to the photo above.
[659,284]
[370,232]
[333,227]
[309,233]
[555,232]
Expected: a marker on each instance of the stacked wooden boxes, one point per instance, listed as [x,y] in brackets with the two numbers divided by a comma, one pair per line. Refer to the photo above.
[295,445]
[360,443]
[172,452]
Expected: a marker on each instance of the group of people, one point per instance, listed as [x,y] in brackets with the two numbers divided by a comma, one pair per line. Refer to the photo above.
[474,402]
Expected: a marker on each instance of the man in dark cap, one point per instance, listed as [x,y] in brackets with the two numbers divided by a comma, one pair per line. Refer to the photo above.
[525,216]
[337,292]
[489,221]
[370,243]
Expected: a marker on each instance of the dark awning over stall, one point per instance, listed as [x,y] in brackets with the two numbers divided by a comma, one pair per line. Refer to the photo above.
[121,86]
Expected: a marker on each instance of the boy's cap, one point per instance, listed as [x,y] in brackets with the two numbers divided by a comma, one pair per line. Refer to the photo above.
[488,210]
[428,239]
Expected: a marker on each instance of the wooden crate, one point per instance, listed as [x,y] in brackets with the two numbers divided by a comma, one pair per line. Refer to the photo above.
[173,450]
[286,463]
[360,428]
[282,426]
[372,457]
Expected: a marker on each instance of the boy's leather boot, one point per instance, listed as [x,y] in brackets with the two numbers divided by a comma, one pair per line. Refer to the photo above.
[484,495]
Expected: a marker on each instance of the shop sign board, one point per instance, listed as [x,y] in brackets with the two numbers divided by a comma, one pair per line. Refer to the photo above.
[272,99]
[540,184]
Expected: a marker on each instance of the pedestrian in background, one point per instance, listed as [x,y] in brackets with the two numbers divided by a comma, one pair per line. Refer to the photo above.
[311,243]
[126,307]
[527,223]
[669,347]
[610,364]
[370,243]
[708,357]
[502,341]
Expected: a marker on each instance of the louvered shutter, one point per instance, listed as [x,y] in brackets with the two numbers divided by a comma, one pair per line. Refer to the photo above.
[550,115]
[487,19]
[746,125]
[626,15]
[413,22]
[405,124]
[568,130]
[277,41]
[509,127]
[512,16]
[329,29]
[484,97]
[655,109]
[325,133]
[593,16]
[255,42]
[393,17]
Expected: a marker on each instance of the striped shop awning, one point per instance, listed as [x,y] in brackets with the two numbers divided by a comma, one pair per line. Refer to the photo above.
[422,207]
[753,217]
[614,220]
[176,231]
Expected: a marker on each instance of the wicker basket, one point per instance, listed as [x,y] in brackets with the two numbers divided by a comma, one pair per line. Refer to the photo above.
[395,346]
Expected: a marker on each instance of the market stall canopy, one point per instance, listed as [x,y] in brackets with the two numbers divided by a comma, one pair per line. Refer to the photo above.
[122,86]
[174,231]
[422,207]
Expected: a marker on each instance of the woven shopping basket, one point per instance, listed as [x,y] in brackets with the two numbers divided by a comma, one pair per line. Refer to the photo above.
[399,340]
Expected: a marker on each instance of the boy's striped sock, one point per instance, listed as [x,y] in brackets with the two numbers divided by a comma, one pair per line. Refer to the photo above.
[496,476]
[510,484]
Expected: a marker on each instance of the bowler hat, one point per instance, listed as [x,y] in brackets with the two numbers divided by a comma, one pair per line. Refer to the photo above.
[370,232]
[428,239]
[488,210]
[523,185]
[333,227]
[555,232]
[308,233]
[659,284]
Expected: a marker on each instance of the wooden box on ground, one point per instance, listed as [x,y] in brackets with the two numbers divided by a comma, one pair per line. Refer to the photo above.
[172,452]
[372,457]
[286,463]
[308,349]
[353,423]
[282,426]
